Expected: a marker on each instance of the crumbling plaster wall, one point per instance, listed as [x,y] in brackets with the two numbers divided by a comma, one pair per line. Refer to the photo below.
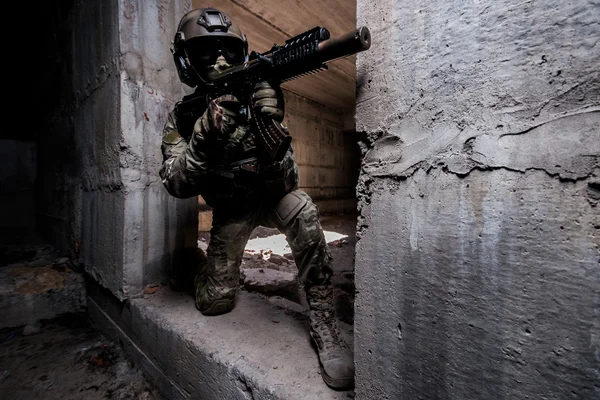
[478,263]
[99,192]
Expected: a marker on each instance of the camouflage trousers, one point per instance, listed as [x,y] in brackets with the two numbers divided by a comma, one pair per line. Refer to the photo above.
[229,236]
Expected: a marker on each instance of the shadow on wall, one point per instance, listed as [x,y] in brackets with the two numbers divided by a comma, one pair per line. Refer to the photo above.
[17,179]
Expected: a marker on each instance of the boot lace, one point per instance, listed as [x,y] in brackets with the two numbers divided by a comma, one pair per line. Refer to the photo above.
[323,322]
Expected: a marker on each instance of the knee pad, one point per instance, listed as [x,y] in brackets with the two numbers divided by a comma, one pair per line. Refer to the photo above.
[289,206]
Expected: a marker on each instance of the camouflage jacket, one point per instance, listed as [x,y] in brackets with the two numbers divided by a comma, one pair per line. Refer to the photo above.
[226,173]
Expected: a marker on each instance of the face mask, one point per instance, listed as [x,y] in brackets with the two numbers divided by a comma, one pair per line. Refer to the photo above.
[219,67]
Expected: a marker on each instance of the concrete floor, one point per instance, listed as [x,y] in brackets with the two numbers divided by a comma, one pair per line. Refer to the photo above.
[48,350]
[65,359]
[260,350]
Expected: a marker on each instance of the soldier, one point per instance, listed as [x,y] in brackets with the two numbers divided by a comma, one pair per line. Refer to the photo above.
[216,157]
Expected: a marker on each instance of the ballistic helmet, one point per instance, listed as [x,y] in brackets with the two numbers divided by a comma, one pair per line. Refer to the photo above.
[204,34]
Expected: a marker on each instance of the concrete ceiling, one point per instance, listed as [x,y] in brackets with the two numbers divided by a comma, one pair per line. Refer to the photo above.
[266,22]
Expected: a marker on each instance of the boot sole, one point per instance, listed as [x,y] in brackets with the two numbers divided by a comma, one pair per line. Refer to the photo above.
[218,307]
[333,383]
[338,384]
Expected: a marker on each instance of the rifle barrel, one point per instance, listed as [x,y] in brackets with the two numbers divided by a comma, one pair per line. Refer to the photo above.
[350,43]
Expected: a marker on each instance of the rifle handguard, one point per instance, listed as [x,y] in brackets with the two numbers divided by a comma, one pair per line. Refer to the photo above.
[271,136]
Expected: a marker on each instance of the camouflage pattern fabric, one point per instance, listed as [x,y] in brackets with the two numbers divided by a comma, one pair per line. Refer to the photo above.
[218,160]
[201,162]
[228,238]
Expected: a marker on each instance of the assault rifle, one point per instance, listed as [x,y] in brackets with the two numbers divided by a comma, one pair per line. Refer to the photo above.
[300,56]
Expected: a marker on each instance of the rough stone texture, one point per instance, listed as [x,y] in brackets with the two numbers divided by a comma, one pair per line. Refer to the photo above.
[257,351]
[157,226]
[477,268]
[79,181]
[100,196]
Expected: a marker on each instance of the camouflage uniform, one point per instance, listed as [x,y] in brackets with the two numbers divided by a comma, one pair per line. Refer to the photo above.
[224,169]
[215,156]
[243,194]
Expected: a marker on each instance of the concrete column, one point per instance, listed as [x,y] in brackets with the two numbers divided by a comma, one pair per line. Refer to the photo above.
[156,225]
[477,268]
[100,193]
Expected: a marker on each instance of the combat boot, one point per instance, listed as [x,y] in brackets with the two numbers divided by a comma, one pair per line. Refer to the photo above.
[335,357]
[216,286]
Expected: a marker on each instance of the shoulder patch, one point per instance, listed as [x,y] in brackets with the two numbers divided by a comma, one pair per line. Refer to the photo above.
[172,138]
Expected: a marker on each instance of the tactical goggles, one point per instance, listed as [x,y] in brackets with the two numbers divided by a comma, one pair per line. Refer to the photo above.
[203,52]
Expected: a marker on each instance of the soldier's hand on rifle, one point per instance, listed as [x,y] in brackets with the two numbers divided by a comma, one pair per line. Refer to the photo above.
[267,101]
[222,116]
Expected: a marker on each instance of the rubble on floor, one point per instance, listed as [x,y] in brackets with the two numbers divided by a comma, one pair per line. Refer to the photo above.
[65,359]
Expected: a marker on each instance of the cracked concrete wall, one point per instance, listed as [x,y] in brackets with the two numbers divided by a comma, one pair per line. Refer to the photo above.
[100,196]
[477,267]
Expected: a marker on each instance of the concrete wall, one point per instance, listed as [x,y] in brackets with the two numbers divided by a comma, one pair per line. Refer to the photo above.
[157,226]
[324,143]
[477,269]
[100,195]
[78,166]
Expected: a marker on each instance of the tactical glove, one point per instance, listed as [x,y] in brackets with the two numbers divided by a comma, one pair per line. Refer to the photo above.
[267,101]
[221,118]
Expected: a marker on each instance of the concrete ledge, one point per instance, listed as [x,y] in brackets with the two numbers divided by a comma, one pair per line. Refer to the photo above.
[258,351]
